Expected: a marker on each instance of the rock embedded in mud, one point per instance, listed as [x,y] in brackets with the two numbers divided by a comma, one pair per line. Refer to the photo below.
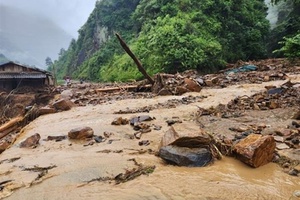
[3,145]
[192,85]
[81,133]
[31,142]
[296,115]
[141,118]
[189,149]
[282,146]
[255,150]
[170,136]
[184,156]
[120,121]
[46,110]
[63,105]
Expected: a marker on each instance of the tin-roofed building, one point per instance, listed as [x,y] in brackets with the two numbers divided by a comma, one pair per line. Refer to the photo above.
[13,75]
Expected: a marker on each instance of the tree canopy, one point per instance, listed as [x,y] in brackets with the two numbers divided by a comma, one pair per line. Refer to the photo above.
[168,36]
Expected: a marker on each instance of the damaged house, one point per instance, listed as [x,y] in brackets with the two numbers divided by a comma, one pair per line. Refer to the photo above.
[13,75]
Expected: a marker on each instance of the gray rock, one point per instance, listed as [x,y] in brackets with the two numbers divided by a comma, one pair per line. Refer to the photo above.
[183,156]
[66,94]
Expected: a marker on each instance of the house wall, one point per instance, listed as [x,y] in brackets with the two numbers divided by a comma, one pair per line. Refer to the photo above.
[12,83]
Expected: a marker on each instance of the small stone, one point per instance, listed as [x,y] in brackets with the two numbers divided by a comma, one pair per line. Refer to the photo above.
[3,145]
[179,90]
[157,127]
[56,138]
[283,132]
[164,92]
[296,115]
[99,139]
[296,193]
[138,135]
[81,133]
[273,105]
[296,124]
[281,146]
[144,143]
[295,141]
[286,165]
[293,172]
[120,121]
[141,118]
[256,107]
[31,142]
[267,78]
[278,139]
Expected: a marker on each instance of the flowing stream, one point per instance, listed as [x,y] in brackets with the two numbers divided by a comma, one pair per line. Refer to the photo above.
[77,164]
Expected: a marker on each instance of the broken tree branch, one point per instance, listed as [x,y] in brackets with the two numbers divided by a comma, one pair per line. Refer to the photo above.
[8,127]
[135,59]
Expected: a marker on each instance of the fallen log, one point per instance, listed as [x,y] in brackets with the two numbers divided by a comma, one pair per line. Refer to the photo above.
[135,59]
[128,87]
[6,128]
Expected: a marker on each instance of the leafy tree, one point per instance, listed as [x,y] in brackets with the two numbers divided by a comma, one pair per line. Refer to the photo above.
[287,25]
[48,62]
[167,35]
[291,47]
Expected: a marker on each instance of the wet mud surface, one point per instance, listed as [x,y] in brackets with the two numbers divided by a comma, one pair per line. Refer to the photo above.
[65,169]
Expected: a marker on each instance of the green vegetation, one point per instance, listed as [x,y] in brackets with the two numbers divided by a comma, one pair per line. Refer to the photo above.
[288,26]
[291,47]
[171,36]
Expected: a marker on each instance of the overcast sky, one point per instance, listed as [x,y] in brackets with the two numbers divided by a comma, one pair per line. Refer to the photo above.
[68,14]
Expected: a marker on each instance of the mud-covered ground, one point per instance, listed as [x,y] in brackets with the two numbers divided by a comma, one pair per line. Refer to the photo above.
[69,169]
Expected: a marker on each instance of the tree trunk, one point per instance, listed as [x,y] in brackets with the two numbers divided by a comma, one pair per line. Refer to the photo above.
[135,59]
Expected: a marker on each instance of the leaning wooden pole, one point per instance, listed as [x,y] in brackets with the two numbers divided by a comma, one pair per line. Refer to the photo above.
[136,60]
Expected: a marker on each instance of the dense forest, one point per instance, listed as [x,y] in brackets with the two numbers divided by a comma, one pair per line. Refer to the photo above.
[175,35]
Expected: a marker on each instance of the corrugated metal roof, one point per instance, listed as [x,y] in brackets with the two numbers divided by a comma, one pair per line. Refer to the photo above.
[21,75]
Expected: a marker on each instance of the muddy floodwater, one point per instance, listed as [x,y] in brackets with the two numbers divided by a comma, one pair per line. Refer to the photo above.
[75,164]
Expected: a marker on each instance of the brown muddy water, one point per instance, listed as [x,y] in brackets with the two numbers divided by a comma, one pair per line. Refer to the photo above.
[76,164]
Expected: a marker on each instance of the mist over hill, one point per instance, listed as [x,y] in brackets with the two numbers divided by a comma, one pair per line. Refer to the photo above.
[29,38]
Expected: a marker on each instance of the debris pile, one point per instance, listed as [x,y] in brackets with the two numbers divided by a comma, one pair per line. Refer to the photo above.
[288,95]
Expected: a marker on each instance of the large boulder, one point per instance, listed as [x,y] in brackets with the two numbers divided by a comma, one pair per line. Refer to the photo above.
[63,104]
[193,149]
[184,156]
[192,85]
[255,150]
[81,133]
